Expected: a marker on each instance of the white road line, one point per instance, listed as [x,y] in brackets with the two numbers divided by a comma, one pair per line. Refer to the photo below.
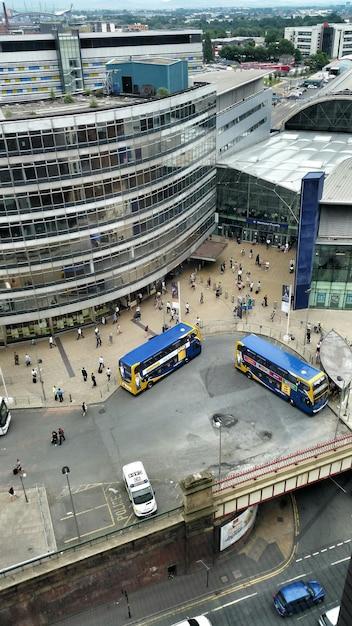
[332,547]
[338,485]
[324,550]
[298,560]
[289,580]
[347,540]
[339,544]
[309,556]
[316,553]
[347,558]
[223,606]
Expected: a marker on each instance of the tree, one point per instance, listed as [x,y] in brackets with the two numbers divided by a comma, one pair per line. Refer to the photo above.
[162,92]
[208,53]
[298,56]
[317,61]
[285,47]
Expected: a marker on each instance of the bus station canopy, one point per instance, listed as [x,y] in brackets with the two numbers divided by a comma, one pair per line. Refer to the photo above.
[209,250]
[336,359]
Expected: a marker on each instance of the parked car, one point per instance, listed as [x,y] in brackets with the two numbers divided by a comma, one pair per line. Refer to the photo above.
[298,596]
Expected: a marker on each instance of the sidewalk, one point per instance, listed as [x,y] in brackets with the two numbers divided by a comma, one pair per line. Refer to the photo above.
[268,550]
[61,365]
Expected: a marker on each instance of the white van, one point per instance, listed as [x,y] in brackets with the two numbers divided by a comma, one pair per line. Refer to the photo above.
[139,489]
[330,618]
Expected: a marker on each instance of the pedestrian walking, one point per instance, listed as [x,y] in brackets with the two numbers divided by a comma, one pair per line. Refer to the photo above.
[99,342]
[268,242]
[231,262]
[251,254]
[34,375]
[103,320]
[217,292]
[16,358]
[84,409]
[108,373]
[258,287]
[286,247]
[292,266]
[239,275]
[257,259]
[27,360]
[13,494]
[251,285]
[61,434]
[54,438]
[60,394]
[118,329]
[93,380]
[96,331]
[198,321]
[101,364]
[79,333]
[308,332]
[140,297]
[114,318]
[117,311]
[265,301]
[187,308]
[168,308]
[208,282]
[201,299]
[84,374]
[51,341]
[55,392]
[18,467]
[163,286]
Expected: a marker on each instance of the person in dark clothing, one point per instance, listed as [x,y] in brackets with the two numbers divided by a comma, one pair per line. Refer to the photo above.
[93,380]
[54,438]
[84,374]
[61,435]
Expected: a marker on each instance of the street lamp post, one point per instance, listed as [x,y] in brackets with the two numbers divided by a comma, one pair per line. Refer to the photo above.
[218,424]
[66,470]
[23,475]
[341,380]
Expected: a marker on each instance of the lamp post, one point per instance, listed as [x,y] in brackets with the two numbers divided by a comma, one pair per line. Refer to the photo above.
[23,475]
[307,313]
[207,568]
[341,380]
[66,470]
[218,424]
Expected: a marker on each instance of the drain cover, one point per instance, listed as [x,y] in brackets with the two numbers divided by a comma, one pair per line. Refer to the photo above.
[225,420]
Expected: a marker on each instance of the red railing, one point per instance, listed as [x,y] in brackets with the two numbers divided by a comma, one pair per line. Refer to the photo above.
[294,458]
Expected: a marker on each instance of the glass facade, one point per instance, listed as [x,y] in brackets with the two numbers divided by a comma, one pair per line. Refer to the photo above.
[96,205]
[70,62]
[334,116]
[332,277]
[253,209]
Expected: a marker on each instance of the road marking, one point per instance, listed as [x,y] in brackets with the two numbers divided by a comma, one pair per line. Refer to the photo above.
[338,485]
[316,553]
[339,544]
[332,547]
[324,550]
[223,606]
[289,580]
[347,558]
[347,540]
[309,556]
[69,514]
[298,560]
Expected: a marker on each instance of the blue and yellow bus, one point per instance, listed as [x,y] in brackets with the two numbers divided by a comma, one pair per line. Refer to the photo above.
[301,384]
[143,367]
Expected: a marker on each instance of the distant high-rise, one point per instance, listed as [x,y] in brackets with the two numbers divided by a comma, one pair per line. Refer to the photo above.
[334,39]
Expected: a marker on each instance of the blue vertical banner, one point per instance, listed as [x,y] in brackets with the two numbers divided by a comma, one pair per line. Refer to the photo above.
[311,192]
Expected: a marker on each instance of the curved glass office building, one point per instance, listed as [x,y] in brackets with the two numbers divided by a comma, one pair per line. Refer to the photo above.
[98,204]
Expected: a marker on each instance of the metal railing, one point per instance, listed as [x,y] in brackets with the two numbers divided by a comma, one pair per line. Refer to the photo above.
[283,462]
[89,543]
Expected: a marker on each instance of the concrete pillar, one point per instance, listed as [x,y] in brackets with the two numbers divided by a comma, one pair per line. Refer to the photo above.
[199,511]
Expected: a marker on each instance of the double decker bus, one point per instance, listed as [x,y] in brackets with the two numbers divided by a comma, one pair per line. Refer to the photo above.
[5,416]
[141,368]
[294,380]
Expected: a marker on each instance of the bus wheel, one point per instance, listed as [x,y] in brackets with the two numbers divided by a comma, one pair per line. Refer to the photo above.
[186,360]
[249,374]
[150,384]
[292,402]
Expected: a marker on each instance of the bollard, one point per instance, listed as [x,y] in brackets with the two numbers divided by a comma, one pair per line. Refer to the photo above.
[70,397]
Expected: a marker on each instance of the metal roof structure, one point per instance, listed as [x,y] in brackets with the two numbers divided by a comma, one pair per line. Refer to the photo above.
[336,359]
[338,185]
[285,157]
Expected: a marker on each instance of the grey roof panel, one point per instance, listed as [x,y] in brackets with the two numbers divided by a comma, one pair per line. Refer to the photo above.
[338,186]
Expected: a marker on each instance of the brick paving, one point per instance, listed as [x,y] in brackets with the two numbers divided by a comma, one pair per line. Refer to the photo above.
[61,366]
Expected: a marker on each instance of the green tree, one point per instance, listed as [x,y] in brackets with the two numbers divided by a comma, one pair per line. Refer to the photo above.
[162,92]
[317,61]
[208,53]
[298,56]
[285,47]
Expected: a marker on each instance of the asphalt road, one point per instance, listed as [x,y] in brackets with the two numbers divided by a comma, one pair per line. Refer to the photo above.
[169,428]
[323,551]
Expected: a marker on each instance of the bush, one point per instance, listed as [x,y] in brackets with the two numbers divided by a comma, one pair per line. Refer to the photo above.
[68,98]
[162,92]
[93,103]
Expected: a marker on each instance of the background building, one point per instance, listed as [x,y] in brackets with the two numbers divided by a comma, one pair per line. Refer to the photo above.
[38,66]
[99,204]
[243,108]
[334,39]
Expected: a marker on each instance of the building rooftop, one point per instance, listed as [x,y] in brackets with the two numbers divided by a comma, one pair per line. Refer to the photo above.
[342,83]
[150,60]
[284,158]
[227,80]
[82,103]
[338,186]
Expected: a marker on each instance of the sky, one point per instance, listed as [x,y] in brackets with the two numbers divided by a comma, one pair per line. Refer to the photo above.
[80,5]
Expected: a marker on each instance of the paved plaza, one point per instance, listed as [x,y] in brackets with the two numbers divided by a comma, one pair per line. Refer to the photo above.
[61,366]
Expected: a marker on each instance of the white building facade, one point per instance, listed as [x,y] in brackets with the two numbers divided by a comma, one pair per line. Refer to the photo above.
[334,39]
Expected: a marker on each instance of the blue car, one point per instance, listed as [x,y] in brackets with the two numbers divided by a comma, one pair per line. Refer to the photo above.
[298,596]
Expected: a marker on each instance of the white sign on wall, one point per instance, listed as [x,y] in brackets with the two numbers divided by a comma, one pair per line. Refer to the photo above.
[232,531]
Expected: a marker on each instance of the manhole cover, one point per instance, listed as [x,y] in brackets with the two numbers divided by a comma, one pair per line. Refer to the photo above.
[266,435]
[101,411]
[225,420]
